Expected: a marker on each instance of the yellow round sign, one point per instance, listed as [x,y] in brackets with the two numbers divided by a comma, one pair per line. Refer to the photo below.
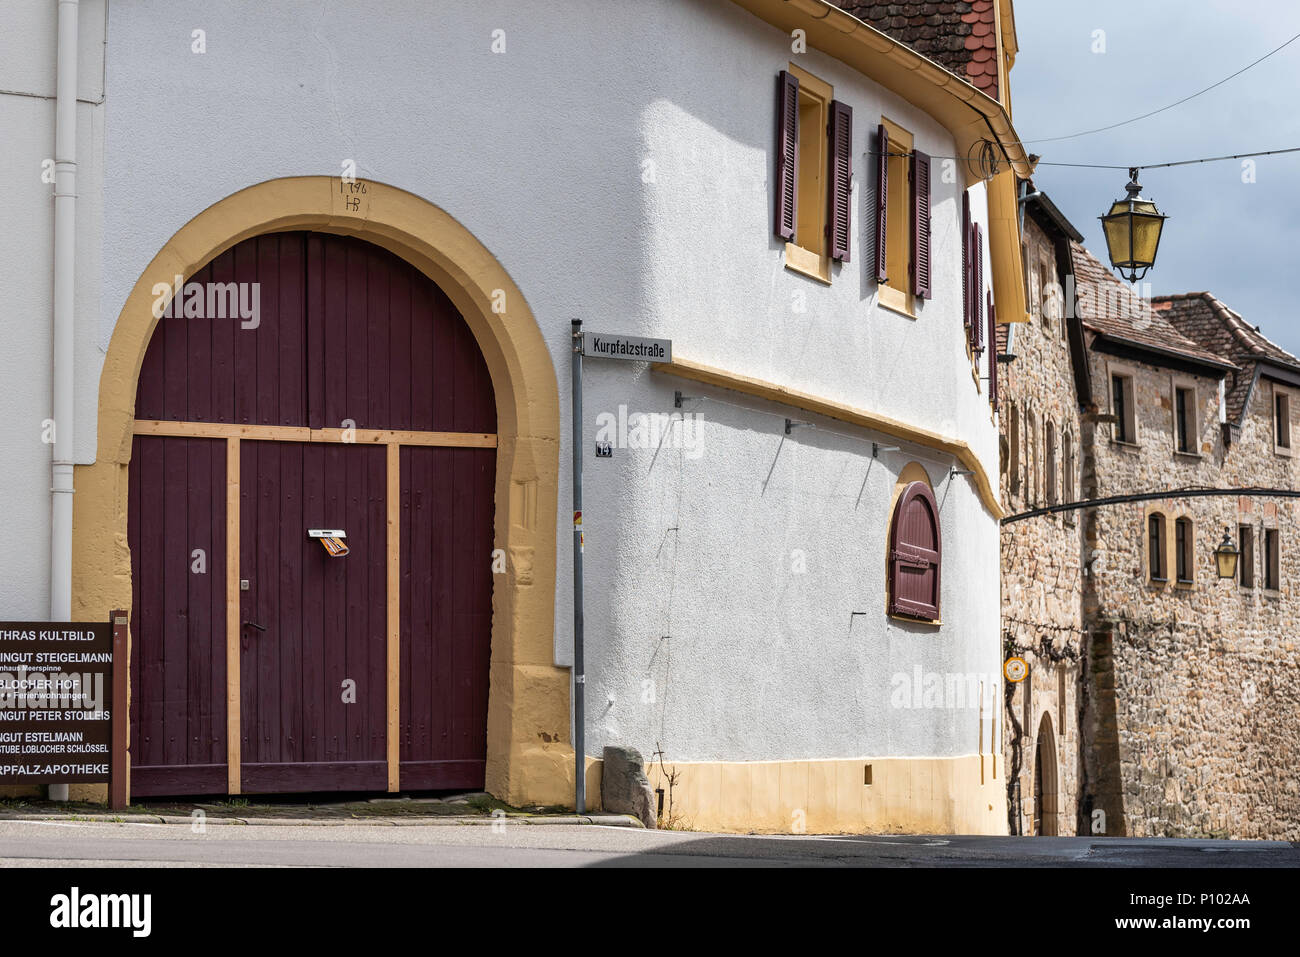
[1015,669]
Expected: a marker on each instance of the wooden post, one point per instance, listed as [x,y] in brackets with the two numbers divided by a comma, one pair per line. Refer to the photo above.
[233,597]
[394,614]
[119,759]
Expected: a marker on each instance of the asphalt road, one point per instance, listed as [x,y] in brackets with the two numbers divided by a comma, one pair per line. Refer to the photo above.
[67,843]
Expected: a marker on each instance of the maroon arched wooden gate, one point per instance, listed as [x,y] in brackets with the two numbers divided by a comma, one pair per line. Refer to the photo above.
[352,397]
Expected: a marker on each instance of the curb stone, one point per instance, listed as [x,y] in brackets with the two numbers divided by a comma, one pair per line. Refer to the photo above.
[447,820]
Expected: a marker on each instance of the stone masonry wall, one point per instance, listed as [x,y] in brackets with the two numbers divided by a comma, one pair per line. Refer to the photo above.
[1041,567]
[1201,734]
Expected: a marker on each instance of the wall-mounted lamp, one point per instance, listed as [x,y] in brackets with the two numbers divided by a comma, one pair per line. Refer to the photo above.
[877,448]
[792,424]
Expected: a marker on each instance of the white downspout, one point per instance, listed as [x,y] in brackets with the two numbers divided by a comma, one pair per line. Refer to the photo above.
[65,246]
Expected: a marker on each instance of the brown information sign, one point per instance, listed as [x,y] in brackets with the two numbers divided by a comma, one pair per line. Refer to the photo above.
[56,702]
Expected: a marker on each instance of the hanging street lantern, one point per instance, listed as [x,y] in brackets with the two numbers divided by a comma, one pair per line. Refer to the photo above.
[1226,556]
[1132,230]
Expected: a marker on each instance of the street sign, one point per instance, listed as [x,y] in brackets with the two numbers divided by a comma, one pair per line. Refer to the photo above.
[56,702]
[599,345]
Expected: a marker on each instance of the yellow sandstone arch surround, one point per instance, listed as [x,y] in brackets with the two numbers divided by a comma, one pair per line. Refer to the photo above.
[529,753]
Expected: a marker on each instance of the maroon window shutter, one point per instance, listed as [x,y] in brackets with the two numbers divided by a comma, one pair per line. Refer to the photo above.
[787,153]
[977,290]
[841,180]
[993,354]
[965,261]
[920,224]
[882,198]
[915,552]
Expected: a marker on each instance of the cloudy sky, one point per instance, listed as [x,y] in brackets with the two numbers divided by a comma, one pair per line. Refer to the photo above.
[1239,240]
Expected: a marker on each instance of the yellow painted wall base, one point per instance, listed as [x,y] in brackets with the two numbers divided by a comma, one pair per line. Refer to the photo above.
[906,796]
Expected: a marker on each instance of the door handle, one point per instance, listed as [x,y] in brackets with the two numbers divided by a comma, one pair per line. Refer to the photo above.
[254,624]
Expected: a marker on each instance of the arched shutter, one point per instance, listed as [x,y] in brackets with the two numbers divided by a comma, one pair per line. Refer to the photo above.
[882,199]
[841,180]
[915,551]
[787,152]
[920,176]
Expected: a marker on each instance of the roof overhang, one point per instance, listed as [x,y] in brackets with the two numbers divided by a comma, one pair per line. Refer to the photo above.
[1274,370]
[1040,202]
[970,114]
[1124,348]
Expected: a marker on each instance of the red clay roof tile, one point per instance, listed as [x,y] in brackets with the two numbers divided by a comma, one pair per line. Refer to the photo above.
[1200,316]
[959,35]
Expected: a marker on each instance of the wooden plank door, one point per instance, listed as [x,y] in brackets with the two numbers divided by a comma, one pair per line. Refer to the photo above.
[313,683]
[177,532]
[446,615]
[354,678]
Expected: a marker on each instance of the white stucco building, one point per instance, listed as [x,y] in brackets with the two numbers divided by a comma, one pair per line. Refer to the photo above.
[615,163]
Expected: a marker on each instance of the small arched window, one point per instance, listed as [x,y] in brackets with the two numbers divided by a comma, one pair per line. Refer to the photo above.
[1067,466]
[1032,456]
[1049,459]
[915,550]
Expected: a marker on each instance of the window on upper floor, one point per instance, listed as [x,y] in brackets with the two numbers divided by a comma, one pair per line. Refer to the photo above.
[1034,292]
[915,553]
[972,284]
[1121,406]
[1031,460]
[1281,420]
[1067,472]
[1049,460]
[1013,447]
[1048,304]
[1246,556]
[1272,560]
[902,228]
[1183,559]
[1156,570]
[814,169]
[1185,425]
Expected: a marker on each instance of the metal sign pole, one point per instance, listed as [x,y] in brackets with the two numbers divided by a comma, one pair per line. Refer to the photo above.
[579,676]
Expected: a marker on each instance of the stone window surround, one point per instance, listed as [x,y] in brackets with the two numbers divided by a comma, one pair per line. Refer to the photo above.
[1279,389]
[1190,544]
[1177,382]
[1266,526]
[1051,470]
[1130,372]
[1169,548]
[1246,560]
[1154,581]
[1046,279]
[1069,465]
